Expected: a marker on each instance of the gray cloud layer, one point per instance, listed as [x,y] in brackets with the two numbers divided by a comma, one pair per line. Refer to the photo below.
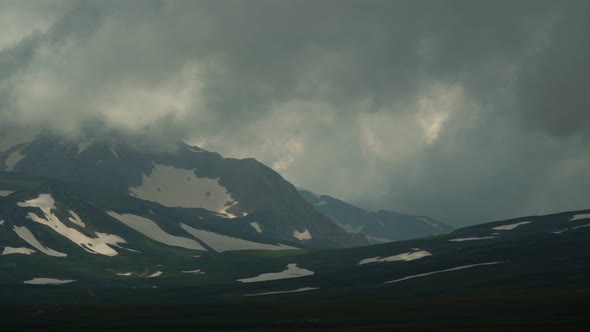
[463,110]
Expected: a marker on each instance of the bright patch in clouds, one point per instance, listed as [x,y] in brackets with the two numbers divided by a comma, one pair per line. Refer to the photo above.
[135,107]
[19,20]
[434,109]
[286,140]
[292,148]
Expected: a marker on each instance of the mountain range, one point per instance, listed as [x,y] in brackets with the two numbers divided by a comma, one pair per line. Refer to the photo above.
[379,227]
[194,236]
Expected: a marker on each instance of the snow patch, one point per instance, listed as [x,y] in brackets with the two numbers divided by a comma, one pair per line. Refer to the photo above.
[571,229]
[4,193]
[13,159]
[84,146]
[155,274]
[124,274]
[304,289]
[194,272]
[75,219]
[301,236]
[442,271]
[511,226]
[194,149]
[130,250]
[256,226]
[428,221]
[378,239]
[1,222]
[150,229]
[25,234]
[581,226]
[292,271]
[349,228]
[174,187]
[432,224]
[405,257]
[580,216]
[21,250]
[48,281]
[98,245]
[472,239]
[225,213]
[114,152]
[221,243]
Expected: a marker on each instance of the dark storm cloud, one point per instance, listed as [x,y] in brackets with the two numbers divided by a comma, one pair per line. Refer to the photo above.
[553,87]
[458,109]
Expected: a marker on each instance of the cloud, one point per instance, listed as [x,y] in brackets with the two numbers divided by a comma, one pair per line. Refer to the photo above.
[553,83]
[461,110]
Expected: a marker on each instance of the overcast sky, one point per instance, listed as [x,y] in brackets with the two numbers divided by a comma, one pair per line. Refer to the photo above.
[466,111]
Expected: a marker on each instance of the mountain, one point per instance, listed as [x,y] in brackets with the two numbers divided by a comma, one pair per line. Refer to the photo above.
[184,177]
[64,220]
[507,274]
[379,227]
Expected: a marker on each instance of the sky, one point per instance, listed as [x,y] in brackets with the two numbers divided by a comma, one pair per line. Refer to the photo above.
[465,111]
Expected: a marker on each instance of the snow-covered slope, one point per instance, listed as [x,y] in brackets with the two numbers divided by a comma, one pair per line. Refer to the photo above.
[47,217]
[150,229]
[221,243]
[101,243]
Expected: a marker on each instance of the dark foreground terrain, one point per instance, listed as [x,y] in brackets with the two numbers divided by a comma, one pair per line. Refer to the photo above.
[554,310]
